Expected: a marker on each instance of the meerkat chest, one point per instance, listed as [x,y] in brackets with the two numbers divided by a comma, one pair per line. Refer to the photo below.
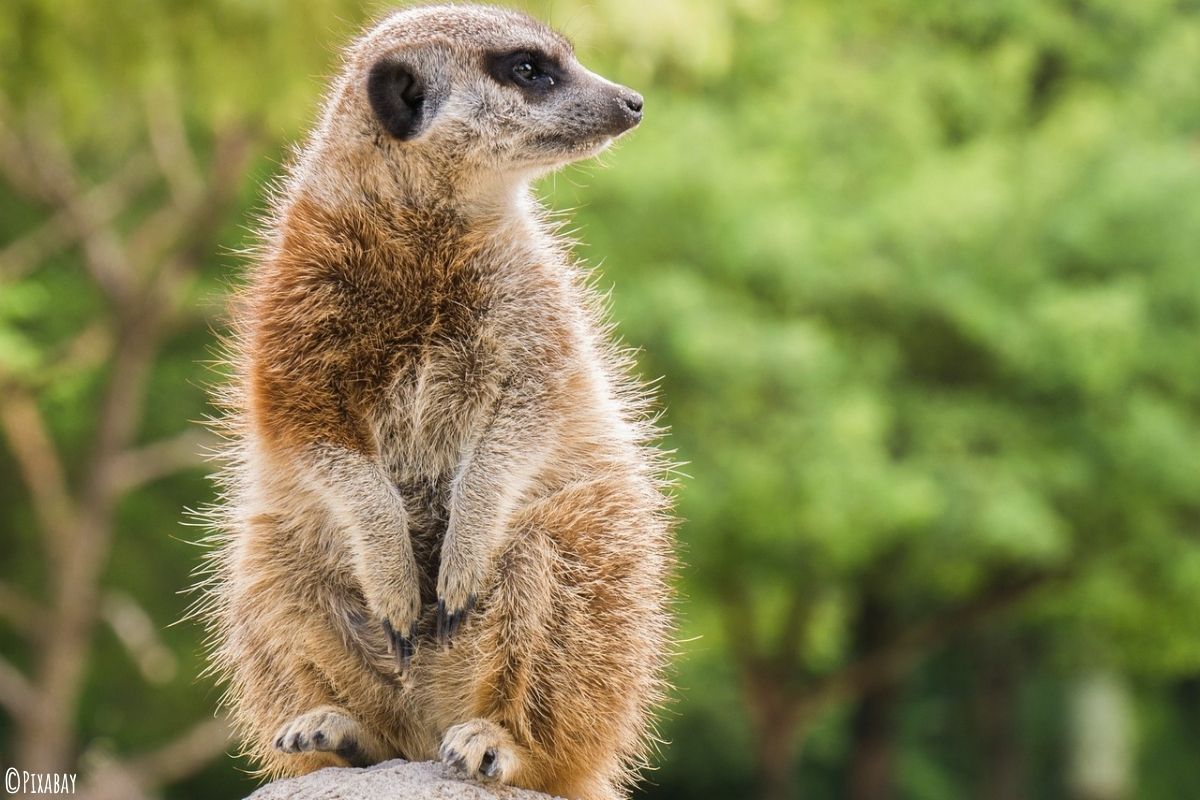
[461,336]
[433,405]
[443,382]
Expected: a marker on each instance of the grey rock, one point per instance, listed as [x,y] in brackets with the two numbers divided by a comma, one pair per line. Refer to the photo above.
[391,780]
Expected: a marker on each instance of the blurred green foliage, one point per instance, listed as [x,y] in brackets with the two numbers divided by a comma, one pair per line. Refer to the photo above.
[921,280]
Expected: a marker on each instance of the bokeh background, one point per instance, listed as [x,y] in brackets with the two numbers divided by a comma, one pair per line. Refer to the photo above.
[921,281]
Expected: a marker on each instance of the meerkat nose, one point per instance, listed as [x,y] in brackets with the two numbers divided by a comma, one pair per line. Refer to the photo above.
[629,104]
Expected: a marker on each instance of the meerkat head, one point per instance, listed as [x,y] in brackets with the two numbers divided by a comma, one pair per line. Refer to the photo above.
[473,92]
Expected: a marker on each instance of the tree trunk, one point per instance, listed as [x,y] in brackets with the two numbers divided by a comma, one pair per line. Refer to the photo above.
[776,759]
[778,728]
[1003,759]
[872,750]
[47,737]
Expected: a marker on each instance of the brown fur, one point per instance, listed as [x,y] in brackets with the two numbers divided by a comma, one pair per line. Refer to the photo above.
[426,406]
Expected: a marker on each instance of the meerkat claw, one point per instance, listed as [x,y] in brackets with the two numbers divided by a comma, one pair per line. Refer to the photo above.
[402,646]
[489,765]
[444,622]
[448,624]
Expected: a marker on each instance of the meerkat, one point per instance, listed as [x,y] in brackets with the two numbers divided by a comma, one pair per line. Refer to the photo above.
[444,531]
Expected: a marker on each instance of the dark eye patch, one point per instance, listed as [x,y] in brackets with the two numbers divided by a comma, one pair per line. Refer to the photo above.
[531,71]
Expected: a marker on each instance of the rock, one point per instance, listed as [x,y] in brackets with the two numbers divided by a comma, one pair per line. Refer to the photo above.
[391,780]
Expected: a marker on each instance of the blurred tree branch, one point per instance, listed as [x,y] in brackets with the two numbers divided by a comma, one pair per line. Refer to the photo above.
[898,654]
[40,467]
[170,145]
[22,613]
[135,629]
[147,277]
[783,702]
[136,776]
[37,162]
[101,204]
[16,695]
[141,465]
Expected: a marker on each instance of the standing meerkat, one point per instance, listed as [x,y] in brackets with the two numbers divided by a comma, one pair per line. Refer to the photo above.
[444,532]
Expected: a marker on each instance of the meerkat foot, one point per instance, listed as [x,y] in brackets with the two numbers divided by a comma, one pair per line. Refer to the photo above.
[482,750]
[329,730]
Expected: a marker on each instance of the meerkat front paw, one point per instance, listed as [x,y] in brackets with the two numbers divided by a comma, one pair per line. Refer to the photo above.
[482,750]
[459,584]
[328,730]
[449,621]
[398,610]
[402,646]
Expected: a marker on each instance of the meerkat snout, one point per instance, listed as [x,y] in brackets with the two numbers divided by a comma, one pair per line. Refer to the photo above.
[629,109]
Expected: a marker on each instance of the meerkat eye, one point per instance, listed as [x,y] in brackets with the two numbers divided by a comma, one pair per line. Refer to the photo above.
[527,70]
[528,73]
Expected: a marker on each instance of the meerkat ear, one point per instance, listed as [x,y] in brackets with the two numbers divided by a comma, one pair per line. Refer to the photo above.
[398,98]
